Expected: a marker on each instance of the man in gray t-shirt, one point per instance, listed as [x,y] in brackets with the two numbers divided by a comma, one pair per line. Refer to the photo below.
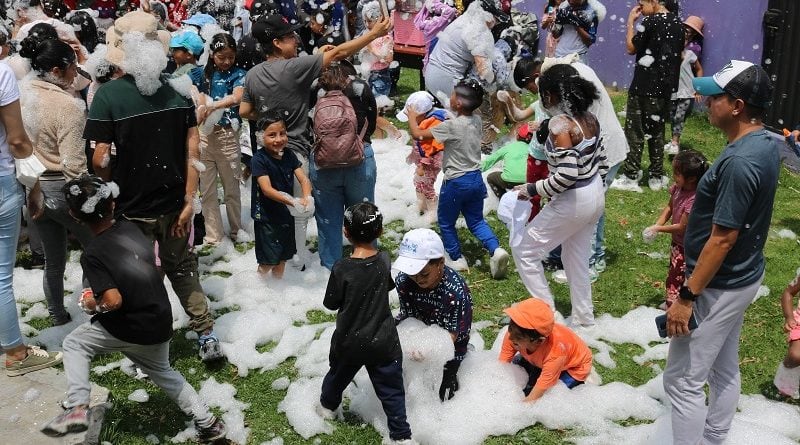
[724,245]
[283,82]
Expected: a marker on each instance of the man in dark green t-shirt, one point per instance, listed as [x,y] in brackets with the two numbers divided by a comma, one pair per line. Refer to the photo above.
[157,150]
[724,245]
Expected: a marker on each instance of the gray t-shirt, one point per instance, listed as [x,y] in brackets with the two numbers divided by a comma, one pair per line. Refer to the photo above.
[285,84]
[737,192]
[685,88]
[461,137]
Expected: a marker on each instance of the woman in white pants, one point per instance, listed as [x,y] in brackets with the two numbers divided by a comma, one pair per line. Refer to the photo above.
[577,162]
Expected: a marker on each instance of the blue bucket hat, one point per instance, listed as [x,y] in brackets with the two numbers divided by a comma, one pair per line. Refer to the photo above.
[199,20]
[189,41]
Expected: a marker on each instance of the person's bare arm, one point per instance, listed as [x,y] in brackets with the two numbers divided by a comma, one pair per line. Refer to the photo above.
[417,133]
[18,142]
[183,222]
[632,17]
[247,111]
[350,47]
[101,160]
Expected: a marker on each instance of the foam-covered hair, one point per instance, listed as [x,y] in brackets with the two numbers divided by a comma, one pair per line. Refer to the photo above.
[90,199]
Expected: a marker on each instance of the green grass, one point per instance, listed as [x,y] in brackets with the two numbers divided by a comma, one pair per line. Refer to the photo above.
[631,280]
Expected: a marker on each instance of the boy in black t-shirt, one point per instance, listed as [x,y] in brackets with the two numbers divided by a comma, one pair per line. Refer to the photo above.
[365,330]
[131,311]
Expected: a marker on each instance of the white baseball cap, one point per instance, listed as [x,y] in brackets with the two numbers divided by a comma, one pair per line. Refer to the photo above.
[417,248]
[422,101]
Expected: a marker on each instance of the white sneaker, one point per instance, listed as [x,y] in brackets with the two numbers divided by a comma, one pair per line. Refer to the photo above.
[657,184]
[498,263]
[325,413]
[626,184]
[459,265]
[388,441]
[559,276]
[671,148]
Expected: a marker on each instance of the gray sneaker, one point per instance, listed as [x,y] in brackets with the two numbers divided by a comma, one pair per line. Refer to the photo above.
[72,420]
[36,359]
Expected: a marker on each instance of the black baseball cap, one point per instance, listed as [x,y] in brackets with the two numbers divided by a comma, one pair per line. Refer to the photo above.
[742,80]
[272,27]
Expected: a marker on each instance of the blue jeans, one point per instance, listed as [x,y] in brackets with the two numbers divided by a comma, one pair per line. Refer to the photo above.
[335,189]
[387,380]
[535,372]
[10,214]
[381,82]
[464,195]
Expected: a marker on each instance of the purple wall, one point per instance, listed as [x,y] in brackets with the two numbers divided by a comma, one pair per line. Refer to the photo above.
[732,31]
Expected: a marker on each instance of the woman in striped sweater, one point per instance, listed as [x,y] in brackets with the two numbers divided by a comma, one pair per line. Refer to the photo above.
[577,164]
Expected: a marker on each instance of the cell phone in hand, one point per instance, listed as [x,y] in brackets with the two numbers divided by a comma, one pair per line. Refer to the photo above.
[661,324]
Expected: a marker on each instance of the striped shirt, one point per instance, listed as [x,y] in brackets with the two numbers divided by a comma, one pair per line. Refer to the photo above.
[572,167]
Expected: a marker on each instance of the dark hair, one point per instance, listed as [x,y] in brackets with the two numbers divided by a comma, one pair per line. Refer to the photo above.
[88,29]
[691,164]
[43,31]
[364,222]
[160,9]
[334,77]
[90,198]
[46,55]
[268,118]
[751,111]
[523,71]
[571,89]
[532,334]
[219,42]
[469,93]
[671,5]
[249,53]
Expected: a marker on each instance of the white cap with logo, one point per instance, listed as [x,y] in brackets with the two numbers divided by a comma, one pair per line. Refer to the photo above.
[422,101]
[417,248]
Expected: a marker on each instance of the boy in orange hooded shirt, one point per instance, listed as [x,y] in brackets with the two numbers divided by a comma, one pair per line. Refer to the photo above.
[549,352]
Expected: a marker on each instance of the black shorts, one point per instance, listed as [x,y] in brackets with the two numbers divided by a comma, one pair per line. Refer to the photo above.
[274,242]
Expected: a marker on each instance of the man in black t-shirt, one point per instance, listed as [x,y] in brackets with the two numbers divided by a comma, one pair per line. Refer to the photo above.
[157,150]
[657,43]
[130,308]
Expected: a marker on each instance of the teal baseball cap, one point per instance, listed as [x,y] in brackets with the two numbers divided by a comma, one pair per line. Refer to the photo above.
[189,41]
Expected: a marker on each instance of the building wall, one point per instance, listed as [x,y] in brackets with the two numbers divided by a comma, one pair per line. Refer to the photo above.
[732,31]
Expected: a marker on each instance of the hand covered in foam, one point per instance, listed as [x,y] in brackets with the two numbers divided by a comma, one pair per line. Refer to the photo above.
[503,96]
[649,234]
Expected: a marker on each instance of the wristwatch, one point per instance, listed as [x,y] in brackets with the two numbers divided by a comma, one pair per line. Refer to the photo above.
[686,294]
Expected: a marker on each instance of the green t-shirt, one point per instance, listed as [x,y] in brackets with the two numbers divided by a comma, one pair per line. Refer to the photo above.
[515,161]
[149,133]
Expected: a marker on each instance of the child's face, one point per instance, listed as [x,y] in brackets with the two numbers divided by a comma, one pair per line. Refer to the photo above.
[275,139]
[522,342]
[681,181]
[430,275]
[224,59]
[181,56]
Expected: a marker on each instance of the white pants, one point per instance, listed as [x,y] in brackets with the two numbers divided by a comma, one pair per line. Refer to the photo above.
[709,354]
[568,220]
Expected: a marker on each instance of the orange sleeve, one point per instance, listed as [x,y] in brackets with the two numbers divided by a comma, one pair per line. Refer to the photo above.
[507,351]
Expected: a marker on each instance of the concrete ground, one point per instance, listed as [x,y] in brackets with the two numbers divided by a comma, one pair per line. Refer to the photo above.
[32,400]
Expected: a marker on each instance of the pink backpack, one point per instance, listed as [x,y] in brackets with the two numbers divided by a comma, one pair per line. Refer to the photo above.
[337,142]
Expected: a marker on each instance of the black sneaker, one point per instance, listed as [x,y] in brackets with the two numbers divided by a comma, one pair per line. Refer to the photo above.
[210,433]
[37,261]
[552,266]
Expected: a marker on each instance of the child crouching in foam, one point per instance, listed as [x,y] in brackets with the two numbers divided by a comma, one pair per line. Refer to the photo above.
[548,351]
[358,288]
[130,308]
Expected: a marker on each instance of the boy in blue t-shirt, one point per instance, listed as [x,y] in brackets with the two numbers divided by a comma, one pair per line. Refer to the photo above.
[463,190]
[273,171]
